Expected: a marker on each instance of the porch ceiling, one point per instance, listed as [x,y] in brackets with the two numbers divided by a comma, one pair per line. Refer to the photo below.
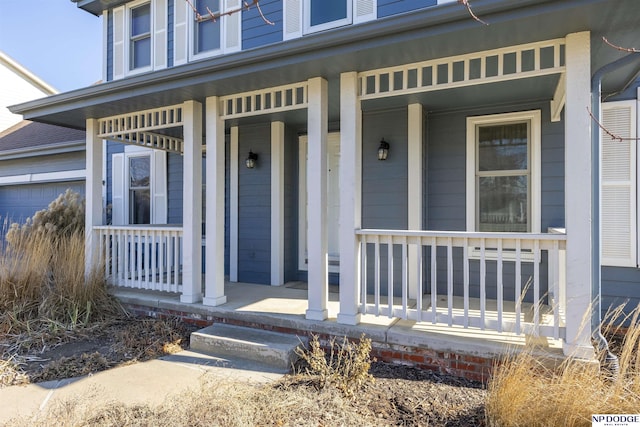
[435,32]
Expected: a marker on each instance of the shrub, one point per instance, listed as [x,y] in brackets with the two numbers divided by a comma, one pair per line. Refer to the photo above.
[344,365]
[525,391]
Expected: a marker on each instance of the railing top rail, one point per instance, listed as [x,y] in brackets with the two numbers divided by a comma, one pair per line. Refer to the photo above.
[461,234]
[158,227]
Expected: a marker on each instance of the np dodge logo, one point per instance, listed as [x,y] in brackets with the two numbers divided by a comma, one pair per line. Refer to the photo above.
[615,420]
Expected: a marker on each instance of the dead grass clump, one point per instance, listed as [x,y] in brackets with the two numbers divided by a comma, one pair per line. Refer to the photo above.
[344,365]
[523,391]
[150,338]
[11,374]
[72,367]
[218,402]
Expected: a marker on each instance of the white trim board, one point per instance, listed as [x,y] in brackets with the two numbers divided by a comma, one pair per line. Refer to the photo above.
[31,178]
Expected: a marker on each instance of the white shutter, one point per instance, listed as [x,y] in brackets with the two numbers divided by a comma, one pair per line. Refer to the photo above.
[618,185]
[180,32]
[292,25]
[364,10]
[117,191]
[233,27]
[160,34]
[159,187]
[119,37]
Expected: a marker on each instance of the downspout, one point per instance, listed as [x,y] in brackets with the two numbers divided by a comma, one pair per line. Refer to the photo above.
[608,361]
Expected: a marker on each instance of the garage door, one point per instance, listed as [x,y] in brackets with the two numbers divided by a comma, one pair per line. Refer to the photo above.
[18,202]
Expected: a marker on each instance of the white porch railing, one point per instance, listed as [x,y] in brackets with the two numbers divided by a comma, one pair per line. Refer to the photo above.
[143,257]
[467,262]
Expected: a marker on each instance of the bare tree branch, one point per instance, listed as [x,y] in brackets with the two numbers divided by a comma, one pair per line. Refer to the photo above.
[466,4]
[214,16]
[608,132]
[623,49]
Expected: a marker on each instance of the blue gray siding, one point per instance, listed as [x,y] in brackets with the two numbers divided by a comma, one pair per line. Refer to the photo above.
[256,32]
[254,206]
[170,36]
[51,163]
[175,174]
[620,285]
[290,205]
[393,7]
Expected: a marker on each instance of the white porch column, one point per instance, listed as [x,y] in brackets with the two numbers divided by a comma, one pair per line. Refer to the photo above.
[577,195]
[192,203]
[317,128]
[414,221]
[277,203]
[93,196]
[233,204]
[214,277]
[350,197]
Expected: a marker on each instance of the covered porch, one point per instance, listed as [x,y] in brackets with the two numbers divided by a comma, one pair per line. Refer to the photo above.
[514,284]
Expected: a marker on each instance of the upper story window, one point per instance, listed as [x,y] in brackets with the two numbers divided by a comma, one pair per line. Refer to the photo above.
[206,32]
[139,40]
[324,14]
[140,37]
[310,16]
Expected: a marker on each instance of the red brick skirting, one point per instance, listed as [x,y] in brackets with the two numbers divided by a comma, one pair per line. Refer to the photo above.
[465,366]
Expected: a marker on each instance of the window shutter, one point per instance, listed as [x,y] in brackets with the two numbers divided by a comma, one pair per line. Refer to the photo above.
[233,26]
[292,19]
[118,190]
[180,32]
[618,185]
[159,187]
[160,30]
[119,37]
[365,10]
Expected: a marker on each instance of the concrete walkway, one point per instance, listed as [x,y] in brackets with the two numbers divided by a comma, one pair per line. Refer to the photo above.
[148,382]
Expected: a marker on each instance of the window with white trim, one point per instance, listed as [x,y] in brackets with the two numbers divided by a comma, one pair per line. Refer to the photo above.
[503,173]
[311,16]
[139,186]
[206,31]
[139,37]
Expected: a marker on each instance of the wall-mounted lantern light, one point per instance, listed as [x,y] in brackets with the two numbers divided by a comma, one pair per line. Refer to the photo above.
[383,150]
[251,160]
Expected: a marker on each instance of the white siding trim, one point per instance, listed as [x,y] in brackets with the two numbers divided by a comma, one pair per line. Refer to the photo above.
[31,178]
[233,204]
[277,203]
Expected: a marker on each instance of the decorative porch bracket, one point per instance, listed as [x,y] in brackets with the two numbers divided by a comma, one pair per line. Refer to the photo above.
[559,98]
[489,66]
[138,128]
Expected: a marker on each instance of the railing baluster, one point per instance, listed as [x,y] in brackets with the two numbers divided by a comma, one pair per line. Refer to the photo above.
[536,287]
[390,276]
[518,280]
[434,280]
[465,273]
[450,280]
[483,283]
[405,281]
[420,284]
[500,278]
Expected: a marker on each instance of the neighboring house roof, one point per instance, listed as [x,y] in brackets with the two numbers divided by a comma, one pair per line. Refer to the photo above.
[28,136]
[26,75]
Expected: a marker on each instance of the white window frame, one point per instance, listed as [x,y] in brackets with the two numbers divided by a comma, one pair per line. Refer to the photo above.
[128,71]
[191,34]
[535,148]
[309,29]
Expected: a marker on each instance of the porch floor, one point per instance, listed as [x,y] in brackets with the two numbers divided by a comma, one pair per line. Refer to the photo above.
[285,306]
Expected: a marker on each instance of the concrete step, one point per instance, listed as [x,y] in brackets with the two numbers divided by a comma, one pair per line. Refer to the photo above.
[266,347]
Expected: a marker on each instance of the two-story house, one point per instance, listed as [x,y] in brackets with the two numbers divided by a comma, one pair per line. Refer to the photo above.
[435,168]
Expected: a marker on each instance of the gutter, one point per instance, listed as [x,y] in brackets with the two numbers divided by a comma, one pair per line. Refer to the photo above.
[609,361]
[43,150]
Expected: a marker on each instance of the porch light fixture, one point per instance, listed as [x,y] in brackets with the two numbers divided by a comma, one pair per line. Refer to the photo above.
[251,160]
[383,150]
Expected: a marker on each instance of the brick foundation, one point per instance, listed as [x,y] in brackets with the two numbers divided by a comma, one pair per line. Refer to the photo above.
[470,367]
